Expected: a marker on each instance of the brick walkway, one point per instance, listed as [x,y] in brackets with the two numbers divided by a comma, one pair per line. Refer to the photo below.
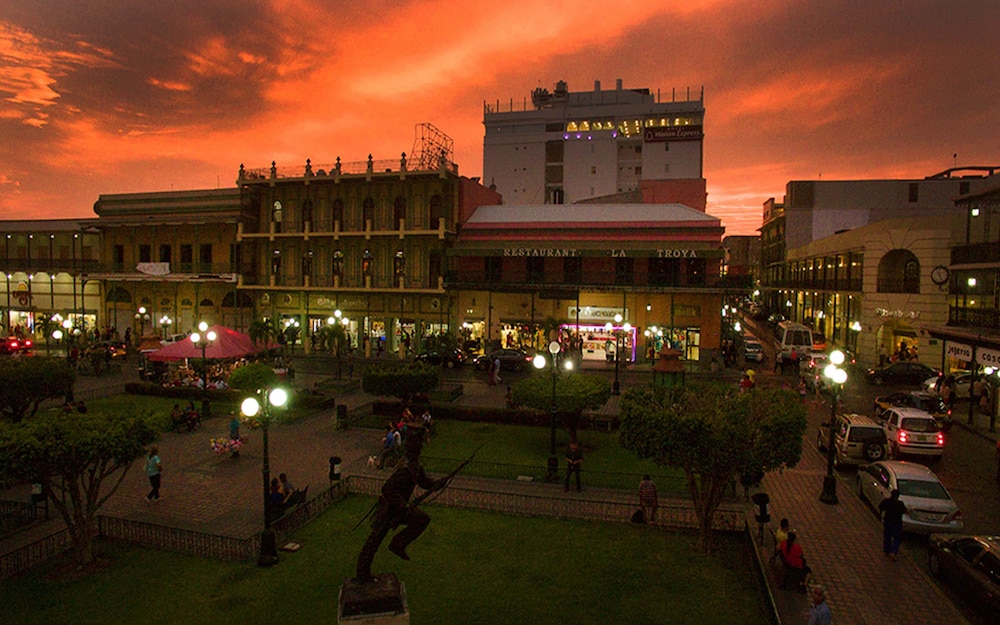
[216,494]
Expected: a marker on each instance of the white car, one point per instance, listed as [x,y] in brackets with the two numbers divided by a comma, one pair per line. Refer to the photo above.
[962,382]
[812,368]
[912,431]
[929,506]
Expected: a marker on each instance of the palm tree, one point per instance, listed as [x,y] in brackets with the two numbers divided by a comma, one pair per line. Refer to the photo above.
[333,338]
[263,332]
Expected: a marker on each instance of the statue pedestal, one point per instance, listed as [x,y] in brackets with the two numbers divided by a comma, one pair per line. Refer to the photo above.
[382,602]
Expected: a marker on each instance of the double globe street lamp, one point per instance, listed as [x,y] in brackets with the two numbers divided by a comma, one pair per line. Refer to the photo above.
[203,340]
[539,362]
[251,407]
[837,377]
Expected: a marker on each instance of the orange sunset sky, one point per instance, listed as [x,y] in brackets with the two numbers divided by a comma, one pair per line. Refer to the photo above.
[120,96]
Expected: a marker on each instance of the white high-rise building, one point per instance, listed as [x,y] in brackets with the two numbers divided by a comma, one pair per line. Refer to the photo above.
[566,147]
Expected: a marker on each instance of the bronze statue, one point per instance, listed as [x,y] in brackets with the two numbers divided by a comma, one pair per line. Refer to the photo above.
[394,507]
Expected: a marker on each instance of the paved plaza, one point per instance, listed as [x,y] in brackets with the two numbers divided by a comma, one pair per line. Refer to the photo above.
[221,495]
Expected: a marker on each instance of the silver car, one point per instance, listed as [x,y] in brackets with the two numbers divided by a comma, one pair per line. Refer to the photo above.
[929,506]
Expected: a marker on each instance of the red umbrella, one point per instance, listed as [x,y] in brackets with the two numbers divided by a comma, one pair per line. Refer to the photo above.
[228,343]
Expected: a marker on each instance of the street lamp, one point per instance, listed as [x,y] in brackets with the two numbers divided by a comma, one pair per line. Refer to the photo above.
[142,317]
[165,322]
[203,341]
[539,363]
[251,407]
[837,377]
[619,346]
[69,333]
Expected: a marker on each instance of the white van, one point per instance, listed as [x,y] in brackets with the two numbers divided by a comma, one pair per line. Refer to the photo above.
[790,336]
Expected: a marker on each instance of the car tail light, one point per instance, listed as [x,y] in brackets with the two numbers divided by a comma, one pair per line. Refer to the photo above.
[12,344]
[26,344]
[902,438]
[940,439]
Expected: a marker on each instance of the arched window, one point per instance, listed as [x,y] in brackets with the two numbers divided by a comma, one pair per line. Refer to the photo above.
[899,272]
[276,214]
[338,212]
[307,212]
[399,266]
[338,264]
[307,264]
[437,210]
[368,214]
[276,263]
[366,264]
[399,212]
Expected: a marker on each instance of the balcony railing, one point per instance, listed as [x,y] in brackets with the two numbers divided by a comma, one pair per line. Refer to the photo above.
[483,280]
[309,170]
[974,318]
[976,253]
[45,265]
[174,268]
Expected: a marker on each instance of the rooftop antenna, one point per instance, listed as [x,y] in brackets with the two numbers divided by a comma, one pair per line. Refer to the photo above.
[954,159]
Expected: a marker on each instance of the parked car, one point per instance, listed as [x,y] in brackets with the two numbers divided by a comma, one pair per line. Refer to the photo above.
[753,350]
[928,402]
[912,431]
[510,360]
[900,373]
[12,344]
[118,349]
[811,367]
[971,564]
[929,506]
[447,358]
[857,440]
[963,380]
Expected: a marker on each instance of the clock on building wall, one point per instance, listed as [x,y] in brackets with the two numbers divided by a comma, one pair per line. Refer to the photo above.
[939,275]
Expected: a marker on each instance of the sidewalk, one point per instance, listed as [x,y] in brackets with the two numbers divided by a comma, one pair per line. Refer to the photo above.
[220,495]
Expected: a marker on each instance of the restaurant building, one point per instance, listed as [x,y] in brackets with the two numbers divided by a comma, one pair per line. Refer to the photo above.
[523,273]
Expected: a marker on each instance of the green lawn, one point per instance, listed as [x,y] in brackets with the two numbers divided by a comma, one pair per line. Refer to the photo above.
[605,463]
[469,567]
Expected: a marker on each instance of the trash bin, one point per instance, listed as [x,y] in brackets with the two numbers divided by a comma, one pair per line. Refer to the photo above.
[334,469]
[341,419]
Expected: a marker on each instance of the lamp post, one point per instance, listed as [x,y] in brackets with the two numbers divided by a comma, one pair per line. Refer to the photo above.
[539,363]
[619,346]
[142,317]
[69,334]
[837,377]
[165,322]
[203,341]
[251,407]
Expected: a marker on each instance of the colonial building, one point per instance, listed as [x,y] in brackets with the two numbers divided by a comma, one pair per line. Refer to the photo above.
[522,272]
[616,143]
[368,239]
[44,265]
[170,260]
[971,278]
[855,260]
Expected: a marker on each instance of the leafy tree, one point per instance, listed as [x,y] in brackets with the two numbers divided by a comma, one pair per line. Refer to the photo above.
[715,434]
[400,379]
[47,324]
[573,394]
[252,377]
[80,460]
[27,382]
[333,338]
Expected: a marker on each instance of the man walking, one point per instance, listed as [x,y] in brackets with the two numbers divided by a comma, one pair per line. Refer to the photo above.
[819,611]
[892,510]
[153,472]
[574,460]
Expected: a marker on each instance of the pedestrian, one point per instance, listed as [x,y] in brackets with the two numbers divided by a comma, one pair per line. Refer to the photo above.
[574,461]
[648,500]
[881,354]
[985,406]
[495,372]
[388,445]
[998,461]
[154,470]
[780,536]
[892,511]
[819,611]
[803,391]
[796,571]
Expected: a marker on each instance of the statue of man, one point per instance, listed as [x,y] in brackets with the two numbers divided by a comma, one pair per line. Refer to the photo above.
[394,510]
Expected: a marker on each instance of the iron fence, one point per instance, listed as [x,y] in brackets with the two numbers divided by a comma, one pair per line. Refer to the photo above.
[176,539]
[16,514]
[26,557]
